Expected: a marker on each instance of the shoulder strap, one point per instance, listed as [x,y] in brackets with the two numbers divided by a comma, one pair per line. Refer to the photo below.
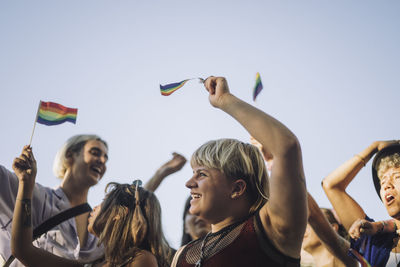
[59,218]
[54,221]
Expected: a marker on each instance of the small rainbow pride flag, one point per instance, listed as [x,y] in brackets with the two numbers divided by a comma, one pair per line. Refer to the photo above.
[361,259]
[172,87]
[51,113]
[258,87]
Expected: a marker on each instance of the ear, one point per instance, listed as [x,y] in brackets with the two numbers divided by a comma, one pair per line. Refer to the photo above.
[239,188]
[116,217]
[69,155]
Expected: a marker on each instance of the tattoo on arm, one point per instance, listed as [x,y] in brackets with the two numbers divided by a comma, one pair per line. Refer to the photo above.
[26,213]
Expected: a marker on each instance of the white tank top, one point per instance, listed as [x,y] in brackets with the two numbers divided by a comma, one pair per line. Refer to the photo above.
[393,261]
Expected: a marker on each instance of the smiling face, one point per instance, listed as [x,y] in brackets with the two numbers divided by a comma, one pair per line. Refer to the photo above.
[89,164]
[390,191]
[211,194]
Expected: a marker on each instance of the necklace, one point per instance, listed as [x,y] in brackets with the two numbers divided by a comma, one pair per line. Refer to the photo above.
[222,233]
[200,261]
[211,247]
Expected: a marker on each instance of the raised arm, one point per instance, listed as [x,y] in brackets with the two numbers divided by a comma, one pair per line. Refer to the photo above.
[284,217]
[335,184]
[168,168]
[21,240]
[363,227]
[337,245]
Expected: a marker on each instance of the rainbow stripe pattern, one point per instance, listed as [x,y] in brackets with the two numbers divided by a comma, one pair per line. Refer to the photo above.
[51,113]
[361,259]
[258,87]
[172,87]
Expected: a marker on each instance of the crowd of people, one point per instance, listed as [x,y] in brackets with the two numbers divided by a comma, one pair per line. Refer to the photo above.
[248,205]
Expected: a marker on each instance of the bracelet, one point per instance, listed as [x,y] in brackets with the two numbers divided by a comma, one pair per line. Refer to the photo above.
[383,227]
[395,228]
[361,158]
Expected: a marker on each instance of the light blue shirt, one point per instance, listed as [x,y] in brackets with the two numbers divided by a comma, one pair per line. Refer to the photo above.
[62,240]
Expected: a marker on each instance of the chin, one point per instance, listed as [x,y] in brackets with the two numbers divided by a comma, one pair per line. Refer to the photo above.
[194,212]
[94,180]
[393,212]
[394,215]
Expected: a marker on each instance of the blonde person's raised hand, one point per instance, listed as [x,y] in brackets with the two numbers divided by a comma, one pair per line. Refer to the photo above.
[218,90]
[24,166]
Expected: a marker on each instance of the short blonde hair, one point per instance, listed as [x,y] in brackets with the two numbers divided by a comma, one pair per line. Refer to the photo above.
[391,161]
[237,160]
[73,144]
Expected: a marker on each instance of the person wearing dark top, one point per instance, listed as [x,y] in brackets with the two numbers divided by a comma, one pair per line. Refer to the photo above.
[255,220]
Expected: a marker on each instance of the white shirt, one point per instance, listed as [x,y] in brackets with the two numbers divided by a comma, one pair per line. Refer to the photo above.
[62,240]
[394,259]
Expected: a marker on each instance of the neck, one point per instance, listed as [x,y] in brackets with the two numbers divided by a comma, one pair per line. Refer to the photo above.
[75,192]
[238,213]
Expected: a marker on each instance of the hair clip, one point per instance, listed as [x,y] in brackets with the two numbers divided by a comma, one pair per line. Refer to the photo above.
[137,184]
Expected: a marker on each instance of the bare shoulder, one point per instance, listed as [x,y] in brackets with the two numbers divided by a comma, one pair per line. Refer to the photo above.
[144,258]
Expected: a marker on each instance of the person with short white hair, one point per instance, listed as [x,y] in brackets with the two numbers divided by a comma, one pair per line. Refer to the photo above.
[80,163]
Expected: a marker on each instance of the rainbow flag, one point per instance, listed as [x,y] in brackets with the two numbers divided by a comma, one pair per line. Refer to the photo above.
[258,87]
[361,259]
[51,113]
[172,87]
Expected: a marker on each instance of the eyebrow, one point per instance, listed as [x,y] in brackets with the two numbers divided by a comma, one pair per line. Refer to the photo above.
[201,169]
[99,150]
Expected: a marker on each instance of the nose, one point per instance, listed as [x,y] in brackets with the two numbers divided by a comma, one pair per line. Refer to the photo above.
[103,159]
[191,182]
[387,184]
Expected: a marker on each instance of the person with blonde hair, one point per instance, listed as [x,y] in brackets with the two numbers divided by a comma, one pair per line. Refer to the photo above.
[80,163]
[127,223]
[380,249]
[255,220]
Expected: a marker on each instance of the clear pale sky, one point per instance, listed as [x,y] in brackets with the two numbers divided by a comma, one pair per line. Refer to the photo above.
[330,69]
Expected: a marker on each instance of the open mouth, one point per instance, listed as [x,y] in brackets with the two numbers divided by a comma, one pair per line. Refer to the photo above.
[195,195]
[96,169]
[389,199]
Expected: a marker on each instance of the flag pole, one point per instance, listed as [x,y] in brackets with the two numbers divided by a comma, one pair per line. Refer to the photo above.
[34,124]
